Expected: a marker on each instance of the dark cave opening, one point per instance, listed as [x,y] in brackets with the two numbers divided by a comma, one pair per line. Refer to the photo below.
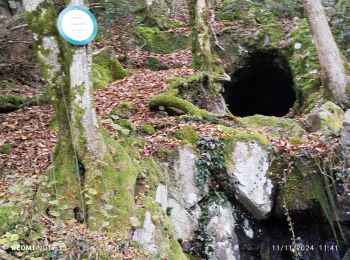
[264,85]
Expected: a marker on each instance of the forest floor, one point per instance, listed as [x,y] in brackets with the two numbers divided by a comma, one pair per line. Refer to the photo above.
[28,136]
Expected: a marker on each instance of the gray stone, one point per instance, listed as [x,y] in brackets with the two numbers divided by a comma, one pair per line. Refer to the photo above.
[184,223]
[248,175]
[162,196]
[145,235]
[224,241]
[345,130]
[182,185]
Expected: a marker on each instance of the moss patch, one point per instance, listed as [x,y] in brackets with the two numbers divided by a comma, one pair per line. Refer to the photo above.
[7,217]
[127,124]
[106,67]
[304,64]
[147,128]
[123,110]
[233,135]
[187,133]
[156,41]
[275,125]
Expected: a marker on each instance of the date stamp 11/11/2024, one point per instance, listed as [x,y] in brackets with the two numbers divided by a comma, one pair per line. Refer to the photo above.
[304,248]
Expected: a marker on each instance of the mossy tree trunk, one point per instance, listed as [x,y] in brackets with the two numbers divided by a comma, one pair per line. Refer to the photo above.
[84,170]
[335,77]
[201,53]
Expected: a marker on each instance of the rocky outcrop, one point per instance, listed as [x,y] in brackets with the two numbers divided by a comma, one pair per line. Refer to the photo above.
[248,178]
[180,196]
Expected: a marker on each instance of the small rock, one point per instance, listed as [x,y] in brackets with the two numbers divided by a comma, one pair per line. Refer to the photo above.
[345,130]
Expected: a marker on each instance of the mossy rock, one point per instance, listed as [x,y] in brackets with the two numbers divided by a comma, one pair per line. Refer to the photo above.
[156,41]
[106,68]
[127,124]
[298,194]
[7,217]
[187,133]
[147,128]
[123,110]
[276,126]
[328,119]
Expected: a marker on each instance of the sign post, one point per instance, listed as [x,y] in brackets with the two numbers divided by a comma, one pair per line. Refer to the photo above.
[77,25]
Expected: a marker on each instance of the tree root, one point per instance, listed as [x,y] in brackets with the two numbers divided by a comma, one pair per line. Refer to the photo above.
[169,101]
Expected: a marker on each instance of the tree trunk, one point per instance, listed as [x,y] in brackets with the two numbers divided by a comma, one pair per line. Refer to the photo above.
[88,180]
[201,53]
[334,74]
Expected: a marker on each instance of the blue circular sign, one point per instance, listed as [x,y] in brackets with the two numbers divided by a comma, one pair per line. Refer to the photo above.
[77,25]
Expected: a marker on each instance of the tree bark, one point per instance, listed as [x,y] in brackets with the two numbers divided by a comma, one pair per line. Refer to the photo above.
[201,52]
[87,177]
[334,74]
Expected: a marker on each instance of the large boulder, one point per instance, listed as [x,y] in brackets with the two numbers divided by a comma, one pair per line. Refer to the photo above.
[248,178]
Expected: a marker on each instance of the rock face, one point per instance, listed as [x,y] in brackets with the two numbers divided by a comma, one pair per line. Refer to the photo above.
[224,242]
[328,119]
[248,177]
[145,235]
[183,186]
[180,196]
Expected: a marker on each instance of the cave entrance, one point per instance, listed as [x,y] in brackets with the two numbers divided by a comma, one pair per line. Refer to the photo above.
[264,85]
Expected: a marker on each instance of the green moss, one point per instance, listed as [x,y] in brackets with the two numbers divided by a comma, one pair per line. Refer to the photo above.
[124,110]
[304,64]
[275,125]
[295,140]
[106,67]
[168,100]
[8,217]
[10,102]
[298,191]
[187,133]
[5,149]
[127,124]
[153,63]
[148,129]
[330,118]
[101,76]
[156,41]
